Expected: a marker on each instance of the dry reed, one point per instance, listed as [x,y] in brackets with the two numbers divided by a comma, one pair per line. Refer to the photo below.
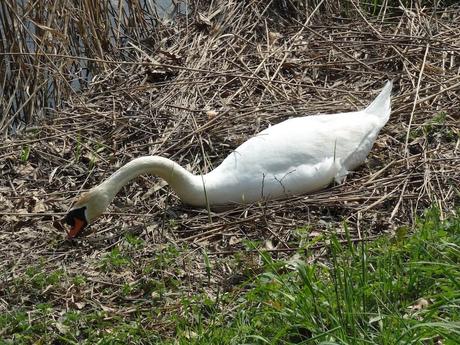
[193,92]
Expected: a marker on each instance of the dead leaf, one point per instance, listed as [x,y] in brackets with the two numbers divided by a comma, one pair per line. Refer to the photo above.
[80,305]
[52,175]
[211,114]
[420,304]
[63,329]
[234,240]
[25,169]
[273,37]
[39,206]
[269,245]
[107,309]
[202,20]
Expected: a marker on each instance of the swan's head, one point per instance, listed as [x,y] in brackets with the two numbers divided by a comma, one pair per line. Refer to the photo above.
[87,208]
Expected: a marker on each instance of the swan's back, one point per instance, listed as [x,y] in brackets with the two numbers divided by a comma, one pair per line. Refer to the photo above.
[299,155]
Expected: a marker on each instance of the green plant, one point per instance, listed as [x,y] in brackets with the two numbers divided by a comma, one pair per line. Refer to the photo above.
[114,260]
[40,278]
[25,153]
[134,241]
[79,280]
[366,293]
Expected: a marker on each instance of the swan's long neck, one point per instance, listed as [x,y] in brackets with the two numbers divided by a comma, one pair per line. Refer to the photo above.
[189,187]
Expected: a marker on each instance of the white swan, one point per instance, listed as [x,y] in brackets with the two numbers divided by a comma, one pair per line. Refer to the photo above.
[300,155]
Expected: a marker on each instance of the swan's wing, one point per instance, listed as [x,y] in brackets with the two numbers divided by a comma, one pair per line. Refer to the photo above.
[259,184]
[308,140]
[299,155]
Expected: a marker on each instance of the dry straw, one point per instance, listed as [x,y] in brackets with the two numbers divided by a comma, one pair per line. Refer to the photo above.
[193,91]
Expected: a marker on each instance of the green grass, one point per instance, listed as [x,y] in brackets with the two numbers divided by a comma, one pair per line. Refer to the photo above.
[403,289]
[369,293]
[25,153]
[115,260]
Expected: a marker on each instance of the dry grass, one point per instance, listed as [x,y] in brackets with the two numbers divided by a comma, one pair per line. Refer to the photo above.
[203,86]
[51,49]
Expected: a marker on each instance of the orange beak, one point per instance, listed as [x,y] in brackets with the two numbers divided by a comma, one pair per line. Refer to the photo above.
[78,226]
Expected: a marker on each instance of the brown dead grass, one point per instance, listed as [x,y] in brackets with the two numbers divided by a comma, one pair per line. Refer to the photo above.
[206,85]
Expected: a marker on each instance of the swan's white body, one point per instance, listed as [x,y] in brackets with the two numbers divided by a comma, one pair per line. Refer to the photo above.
[297,156]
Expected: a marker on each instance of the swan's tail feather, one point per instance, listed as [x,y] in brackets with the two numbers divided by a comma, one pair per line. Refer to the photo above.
[381,106]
